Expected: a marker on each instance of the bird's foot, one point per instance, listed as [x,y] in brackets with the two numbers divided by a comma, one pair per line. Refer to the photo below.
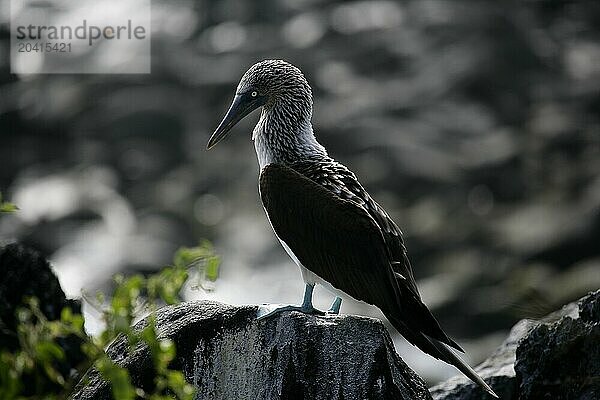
[267,310]
[335,306]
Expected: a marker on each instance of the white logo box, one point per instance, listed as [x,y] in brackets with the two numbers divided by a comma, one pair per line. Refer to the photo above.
[80,36]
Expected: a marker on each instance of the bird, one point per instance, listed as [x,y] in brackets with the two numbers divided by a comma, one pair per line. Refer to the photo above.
[330,226]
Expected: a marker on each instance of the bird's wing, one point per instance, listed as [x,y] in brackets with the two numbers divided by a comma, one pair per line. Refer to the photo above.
[342,182]
[330,236]
[342,185]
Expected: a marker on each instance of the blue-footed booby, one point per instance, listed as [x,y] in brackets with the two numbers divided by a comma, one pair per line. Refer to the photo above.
[323,217]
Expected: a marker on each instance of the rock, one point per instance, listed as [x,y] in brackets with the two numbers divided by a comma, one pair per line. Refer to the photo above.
[557,357]
[25,273]
[561,360]
[497,371]
[228,354]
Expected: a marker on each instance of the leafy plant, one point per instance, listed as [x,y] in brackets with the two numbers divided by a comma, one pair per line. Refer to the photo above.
[203,259]
[40,356]
[6,207]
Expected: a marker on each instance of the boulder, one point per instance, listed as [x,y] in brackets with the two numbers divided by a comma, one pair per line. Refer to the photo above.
[561,360]
[25,273]
[228,354]
[557,357]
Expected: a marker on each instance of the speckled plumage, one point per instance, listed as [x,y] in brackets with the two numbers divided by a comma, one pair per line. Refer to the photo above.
[284,131]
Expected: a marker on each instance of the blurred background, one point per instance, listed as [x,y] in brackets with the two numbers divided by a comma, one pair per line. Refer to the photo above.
[476,124]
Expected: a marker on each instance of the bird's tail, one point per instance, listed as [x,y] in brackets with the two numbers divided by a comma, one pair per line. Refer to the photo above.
[452,358]
[439,350]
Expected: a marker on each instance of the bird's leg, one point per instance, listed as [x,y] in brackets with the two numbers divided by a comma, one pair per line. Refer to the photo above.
[307,305]
[335,306]
[305,308]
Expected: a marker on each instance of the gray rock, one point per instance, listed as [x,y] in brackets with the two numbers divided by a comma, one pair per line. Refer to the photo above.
[561,360]
[228,354]
[24,273]
[557,357]
[497,371]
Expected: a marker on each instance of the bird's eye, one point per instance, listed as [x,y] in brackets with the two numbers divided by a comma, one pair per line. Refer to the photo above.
[254,94]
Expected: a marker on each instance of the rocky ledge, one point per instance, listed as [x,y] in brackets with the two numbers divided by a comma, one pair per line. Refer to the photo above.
[228,354]
[555,358]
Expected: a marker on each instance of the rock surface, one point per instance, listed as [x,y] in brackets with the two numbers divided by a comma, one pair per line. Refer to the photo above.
[555,358]
[228,354]
[561,360]
[25,273]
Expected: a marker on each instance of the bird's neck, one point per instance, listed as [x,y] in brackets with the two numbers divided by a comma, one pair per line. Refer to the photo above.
[284,137]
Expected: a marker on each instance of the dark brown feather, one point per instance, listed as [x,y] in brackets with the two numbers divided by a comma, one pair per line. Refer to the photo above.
[337,231]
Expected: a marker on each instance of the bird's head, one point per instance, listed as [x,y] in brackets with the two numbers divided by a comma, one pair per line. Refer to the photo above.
[272,84]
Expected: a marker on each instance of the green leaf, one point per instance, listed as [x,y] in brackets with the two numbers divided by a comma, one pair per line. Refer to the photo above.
[211,271]
[166,351]
[10,382]
[74,321]
[186,256]
[48,352]
[201,260]
[8,207]
[118,377]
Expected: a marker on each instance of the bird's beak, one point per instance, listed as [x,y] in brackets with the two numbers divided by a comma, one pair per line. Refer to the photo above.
[242,105]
